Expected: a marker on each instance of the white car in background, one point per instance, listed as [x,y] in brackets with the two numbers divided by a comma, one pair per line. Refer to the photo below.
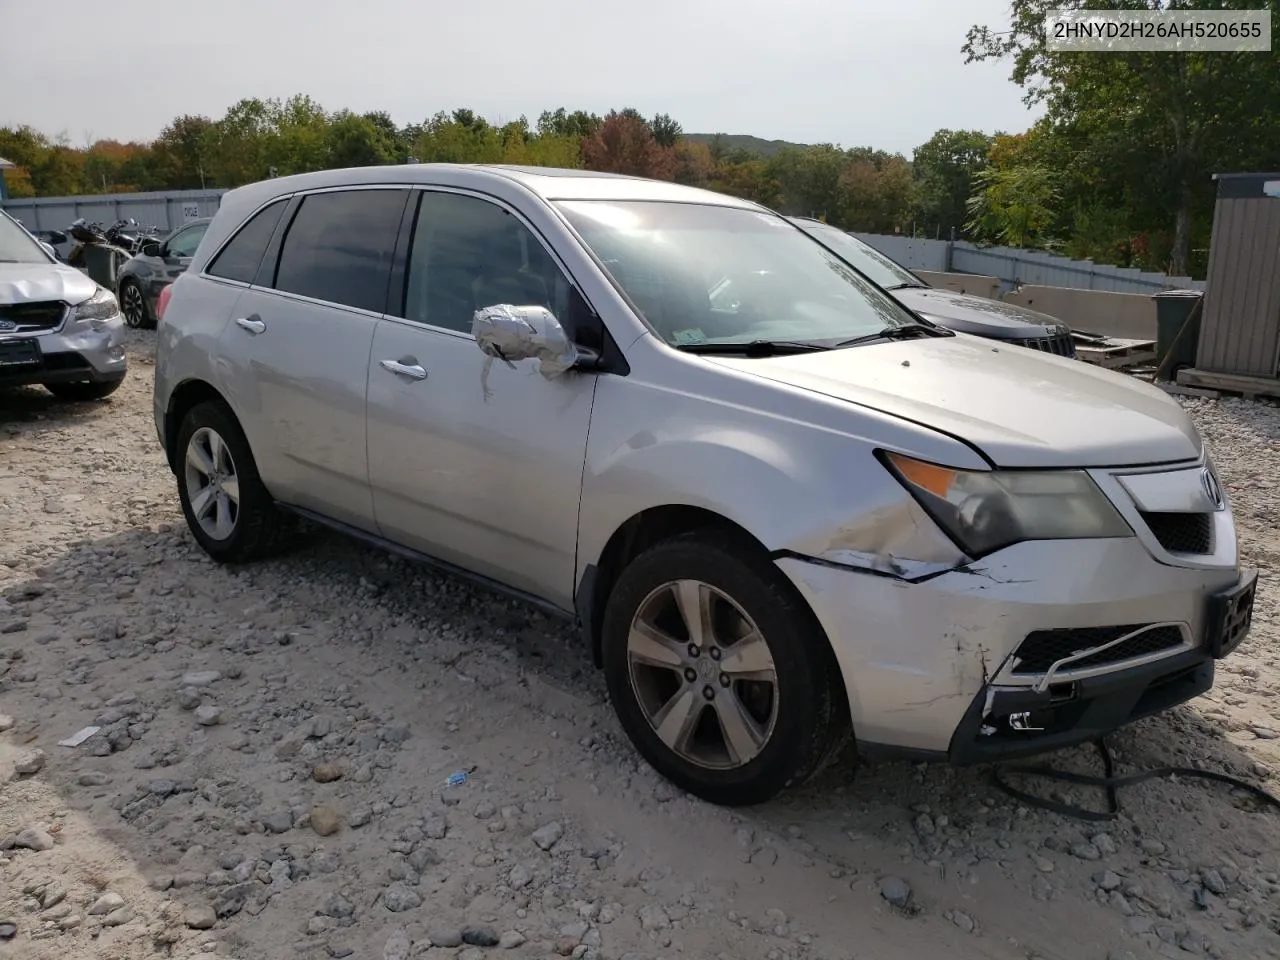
[58,328]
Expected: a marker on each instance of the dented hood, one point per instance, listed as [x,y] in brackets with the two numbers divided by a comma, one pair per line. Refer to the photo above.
[37,282]
[1019,407]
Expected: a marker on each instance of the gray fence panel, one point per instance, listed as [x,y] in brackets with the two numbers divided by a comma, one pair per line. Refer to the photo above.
[1013,266]
[165,210]
[913,252]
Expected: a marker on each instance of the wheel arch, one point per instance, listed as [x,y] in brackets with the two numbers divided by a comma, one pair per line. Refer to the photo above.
[638,533]
[186,396]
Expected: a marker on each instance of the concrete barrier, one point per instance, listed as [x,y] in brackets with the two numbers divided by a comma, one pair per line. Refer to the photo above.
[1129,315]
[973,283]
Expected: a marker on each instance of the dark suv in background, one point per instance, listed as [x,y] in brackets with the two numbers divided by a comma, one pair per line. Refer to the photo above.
[962,312]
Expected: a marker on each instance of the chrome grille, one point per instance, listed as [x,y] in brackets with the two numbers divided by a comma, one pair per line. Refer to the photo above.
[1061,345]
[31,317]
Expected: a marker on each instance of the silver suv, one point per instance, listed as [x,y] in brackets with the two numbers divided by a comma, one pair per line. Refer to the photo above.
[783,509]
[57,327]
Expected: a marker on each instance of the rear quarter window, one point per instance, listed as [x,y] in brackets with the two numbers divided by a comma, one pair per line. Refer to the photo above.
[240,258]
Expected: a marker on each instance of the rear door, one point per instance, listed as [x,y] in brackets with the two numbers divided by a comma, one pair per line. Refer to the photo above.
[297,348]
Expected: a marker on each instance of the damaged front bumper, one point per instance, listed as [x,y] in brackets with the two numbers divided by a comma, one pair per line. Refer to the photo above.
[1053,711]
[982,662]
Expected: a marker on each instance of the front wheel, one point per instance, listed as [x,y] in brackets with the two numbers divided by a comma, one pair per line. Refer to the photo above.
[133,304]
[719,672]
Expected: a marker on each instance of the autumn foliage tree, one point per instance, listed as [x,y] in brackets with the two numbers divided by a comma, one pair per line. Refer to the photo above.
[625,144]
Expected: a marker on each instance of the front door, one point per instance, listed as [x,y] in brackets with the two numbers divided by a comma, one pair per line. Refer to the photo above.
[477,464]
[299,343]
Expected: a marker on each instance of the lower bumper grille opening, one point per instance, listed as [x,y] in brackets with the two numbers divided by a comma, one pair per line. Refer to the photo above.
[1182,532]
[1043,648]
[65,360]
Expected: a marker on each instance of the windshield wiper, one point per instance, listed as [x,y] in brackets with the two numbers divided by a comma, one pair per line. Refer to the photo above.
[754,348]
[908,285]
[904,331]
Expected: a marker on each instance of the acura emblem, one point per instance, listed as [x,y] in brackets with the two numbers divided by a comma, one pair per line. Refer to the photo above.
[1209,483]
[8,324]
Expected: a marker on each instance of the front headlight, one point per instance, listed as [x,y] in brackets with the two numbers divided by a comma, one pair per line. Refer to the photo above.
[100,307]
[984,511]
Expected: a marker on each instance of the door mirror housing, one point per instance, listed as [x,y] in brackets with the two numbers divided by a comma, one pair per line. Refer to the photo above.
[510,333]
[49,249]
[152,248]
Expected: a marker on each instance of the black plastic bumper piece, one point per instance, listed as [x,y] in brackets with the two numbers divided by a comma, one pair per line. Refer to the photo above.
[1019,722]
[61,367]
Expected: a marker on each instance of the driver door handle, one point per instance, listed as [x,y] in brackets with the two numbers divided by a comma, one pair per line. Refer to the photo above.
[252,324]
[411,370]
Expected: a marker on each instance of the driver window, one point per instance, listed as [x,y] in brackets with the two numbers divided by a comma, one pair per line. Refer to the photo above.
[185,242]
[470,253]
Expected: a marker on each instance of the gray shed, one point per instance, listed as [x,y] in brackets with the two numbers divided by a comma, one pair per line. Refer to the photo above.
[4,165]
[1239,347]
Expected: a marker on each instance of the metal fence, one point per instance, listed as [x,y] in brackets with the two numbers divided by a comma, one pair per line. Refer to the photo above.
[1014,267]
[165,210]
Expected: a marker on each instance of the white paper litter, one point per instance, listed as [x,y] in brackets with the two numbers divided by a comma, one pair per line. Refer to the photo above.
[79,737]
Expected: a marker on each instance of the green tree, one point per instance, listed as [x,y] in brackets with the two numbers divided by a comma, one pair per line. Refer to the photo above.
[1186,115]
[561,123]
[665,130]
[943,168]
[297,139]
[1012,205]
[360,141]
[177,159]
[236,145]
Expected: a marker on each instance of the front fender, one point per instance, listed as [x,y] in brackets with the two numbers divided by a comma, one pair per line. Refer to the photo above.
[801,476]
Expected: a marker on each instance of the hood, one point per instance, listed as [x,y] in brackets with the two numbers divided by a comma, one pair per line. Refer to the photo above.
[35,282]
[979,315]
[1021,408]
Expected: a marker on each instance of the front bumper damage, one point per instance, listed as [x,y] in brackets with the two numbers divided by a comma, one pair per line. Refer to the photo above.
[945,669]
[68,354]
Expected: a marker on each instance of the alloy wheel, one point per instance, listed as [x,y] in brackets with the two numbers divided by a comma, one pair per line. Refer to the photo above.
[703,675]
[213,486]
[133,306]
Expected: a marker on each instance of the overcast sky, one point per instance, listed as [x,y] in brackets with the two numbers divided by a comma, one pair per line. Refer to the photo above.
[881,73]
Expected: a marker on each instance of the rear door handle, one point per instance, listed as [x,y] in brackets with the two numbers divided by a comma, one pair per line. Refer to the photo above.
[400,368]
[252,324]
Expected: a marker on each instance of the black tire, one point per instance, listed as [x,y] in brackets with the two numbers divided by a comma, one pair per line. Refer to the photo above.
[134,306]
[84,391]
[260,530]
[812,722]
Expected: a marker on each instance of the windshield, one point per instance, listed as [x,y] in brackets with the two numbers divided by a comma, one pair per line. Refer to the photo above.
[18,246]
[704,274]
[865,257]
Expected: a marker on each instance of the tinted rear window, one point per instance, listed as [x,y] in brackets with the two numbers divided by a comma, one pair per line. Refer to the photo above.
[340,246]
[239,259]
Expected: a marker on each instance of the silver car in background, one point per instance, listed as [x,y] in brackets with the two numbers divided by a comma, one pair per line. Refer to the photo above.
[783,510]
[144,276]
[58,328]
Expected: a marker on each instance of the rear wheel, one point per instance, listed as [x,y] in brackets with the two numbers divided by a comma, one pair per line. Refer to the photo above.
[719,672]
[229,511]
[85,390]
[133,304]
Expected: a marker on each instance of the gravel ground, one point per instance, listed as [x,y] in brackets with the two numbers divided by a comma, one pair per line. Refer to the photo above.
[272,776]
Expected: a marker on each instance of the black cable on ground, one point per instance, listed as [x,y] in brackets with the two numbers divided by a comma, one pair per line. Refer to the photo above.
[1110,783]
